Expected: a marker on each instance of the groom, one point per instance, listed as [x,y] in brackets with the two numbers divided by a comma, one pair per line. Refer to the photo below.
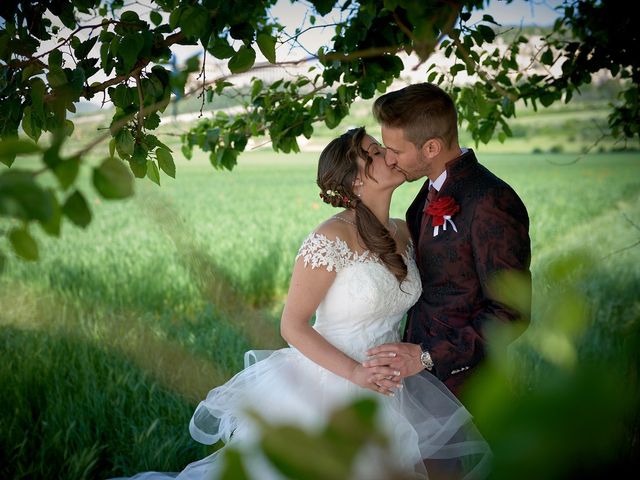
[467,225]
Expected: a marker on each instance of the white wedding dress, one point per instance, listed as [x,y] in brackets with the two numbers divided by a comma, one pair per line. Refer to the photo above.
[363,308]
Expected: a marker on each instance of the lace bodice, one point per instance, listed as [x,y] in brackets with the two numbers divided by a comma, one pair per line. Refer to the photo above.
[365,304]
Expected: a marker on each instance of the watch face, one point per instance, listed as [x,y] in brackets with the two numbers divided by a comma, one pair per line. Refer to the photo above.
[426,360]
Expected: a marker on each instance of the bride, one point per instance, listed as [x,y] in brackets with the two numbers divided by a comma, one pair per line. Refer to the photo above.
[356,272]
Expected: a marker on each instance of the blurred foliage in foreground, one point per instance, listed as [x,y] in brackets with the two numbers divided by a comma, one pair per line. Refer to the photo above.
[577,419]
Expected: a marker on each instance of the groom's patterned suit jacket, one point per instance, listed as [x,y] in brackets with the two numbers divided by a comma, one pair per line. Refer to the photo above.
[456,268]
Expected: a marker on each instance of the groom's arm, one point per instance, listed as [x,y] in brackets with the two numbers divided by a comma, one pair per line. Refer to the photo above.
[501,245]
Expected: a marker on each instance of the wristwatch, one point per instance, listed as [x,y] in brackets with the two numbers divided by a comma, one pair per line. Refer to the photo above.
[426,360]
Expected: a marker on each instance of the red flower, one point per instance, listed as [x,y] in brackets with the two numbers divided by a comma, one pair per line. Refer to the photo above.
[441,207]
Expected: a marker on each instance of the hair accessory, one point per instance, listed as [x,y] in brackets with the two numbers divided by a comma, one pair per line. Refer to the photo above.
[329,196]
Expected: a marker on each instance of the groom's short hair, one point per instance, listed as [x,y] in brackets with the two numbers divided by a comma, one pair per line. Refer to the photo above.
[423,111]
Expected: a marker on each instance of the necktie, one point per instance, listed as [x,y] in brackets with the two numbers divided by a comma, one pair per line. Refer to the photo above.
[425,218]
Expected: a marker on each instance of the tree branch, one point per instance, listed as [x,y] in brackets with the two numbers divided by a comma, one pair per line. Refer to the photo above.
[257,66]
[137,68]
[84,27]
[367,53]
[141,107]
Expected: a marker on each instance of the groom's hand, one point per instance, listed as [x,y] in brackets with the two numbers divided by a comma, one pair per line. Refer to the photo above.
[402,357]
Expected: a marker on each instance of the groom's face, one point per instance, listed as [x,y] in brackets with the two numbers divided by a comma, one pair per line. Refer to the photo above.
[403,155]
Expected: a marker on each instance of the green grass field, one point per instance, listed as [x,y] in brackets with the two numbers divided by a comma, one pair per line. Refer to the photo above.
[108,342]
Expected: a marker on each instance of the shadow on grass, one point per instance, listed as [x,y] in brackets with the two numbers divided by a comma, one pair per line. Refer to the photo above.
[73,410]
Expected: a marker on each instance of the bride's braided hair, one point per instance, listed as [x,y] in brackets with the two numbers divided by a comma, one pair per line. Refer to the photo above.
[337,171]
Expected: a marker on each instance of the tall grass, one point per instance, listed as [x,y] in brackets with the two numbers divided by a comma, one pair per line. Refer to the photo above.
[113,336]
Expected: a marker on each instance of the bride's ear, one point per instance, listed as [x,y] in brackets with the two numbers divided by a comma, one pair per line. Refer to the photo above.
[357,185]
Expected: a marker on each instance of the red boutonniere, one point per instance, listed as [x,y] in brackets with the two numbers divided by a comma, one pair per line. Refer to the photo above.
[441,210]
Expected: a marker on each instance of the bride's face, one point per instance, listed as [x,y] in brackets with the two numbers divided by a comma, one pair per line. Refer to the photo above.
[379,171]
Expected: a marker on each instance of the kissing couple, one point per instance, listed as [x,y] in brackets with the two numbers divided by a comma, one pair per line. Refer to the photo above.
[360,272]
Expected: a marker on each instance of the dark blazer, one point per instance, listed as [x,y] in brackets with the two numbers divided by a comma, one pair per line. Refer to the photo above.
[456,267]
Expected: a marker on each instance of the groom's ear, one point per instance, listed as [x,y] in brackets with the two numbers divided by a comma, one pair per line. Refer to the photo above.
[432,148]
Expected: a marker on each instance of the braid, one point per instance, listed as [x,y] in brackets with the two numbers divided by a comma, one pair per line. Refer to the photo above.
[337,170]
[379,241]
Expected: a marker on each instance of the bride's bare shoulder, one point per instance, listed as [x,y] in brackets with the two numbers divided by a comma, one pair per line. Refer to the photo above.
[333,228]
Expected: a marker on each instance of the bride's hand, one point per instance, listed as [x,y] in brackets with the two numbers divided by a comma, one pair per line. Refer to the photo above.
[363,377]
[402,357]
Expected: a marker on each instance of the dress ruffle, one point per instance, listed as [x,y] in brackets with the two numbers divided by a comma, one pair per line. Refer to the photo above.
[424,421]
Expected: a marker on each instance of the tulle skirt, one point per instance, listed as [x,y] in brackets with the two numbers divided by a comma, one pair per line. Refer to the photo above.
[424,423]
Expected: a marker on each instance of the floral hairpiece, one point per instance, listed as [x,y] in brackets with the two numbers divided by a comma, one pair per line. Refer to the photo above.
[327,195]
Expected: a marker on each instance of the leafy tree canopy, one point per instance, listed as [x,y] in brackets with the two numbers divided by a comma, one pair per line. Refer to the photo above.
[56,53]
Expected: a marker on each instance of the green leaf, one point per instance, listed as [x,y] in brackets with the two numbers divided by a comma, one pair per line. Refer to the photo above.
[155,17]
[152,172]
[85,47]
[125,143]
[38,89]
[112,147]
[112,179]
[243,60]
[195,21]
[458,67]
[122,96]
[153,142]
[68,127]
[256,88]
[226,158]
[31,70]
[267,45]
[67,171]
[12,147]
[3,262]
[21,197]
[129,48]
[487,33]
[323,6]
[330,118]
[221,49]
[30,125]
[152,121]
[187,151]
[233,466]
[52,226]
[165,160]
[140,154]
[56,77]
[242,31]
[138,169]
[76,209]
[547,57]
[24,244]
[129,16]
[55,58]
[547,98]
[489,19]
